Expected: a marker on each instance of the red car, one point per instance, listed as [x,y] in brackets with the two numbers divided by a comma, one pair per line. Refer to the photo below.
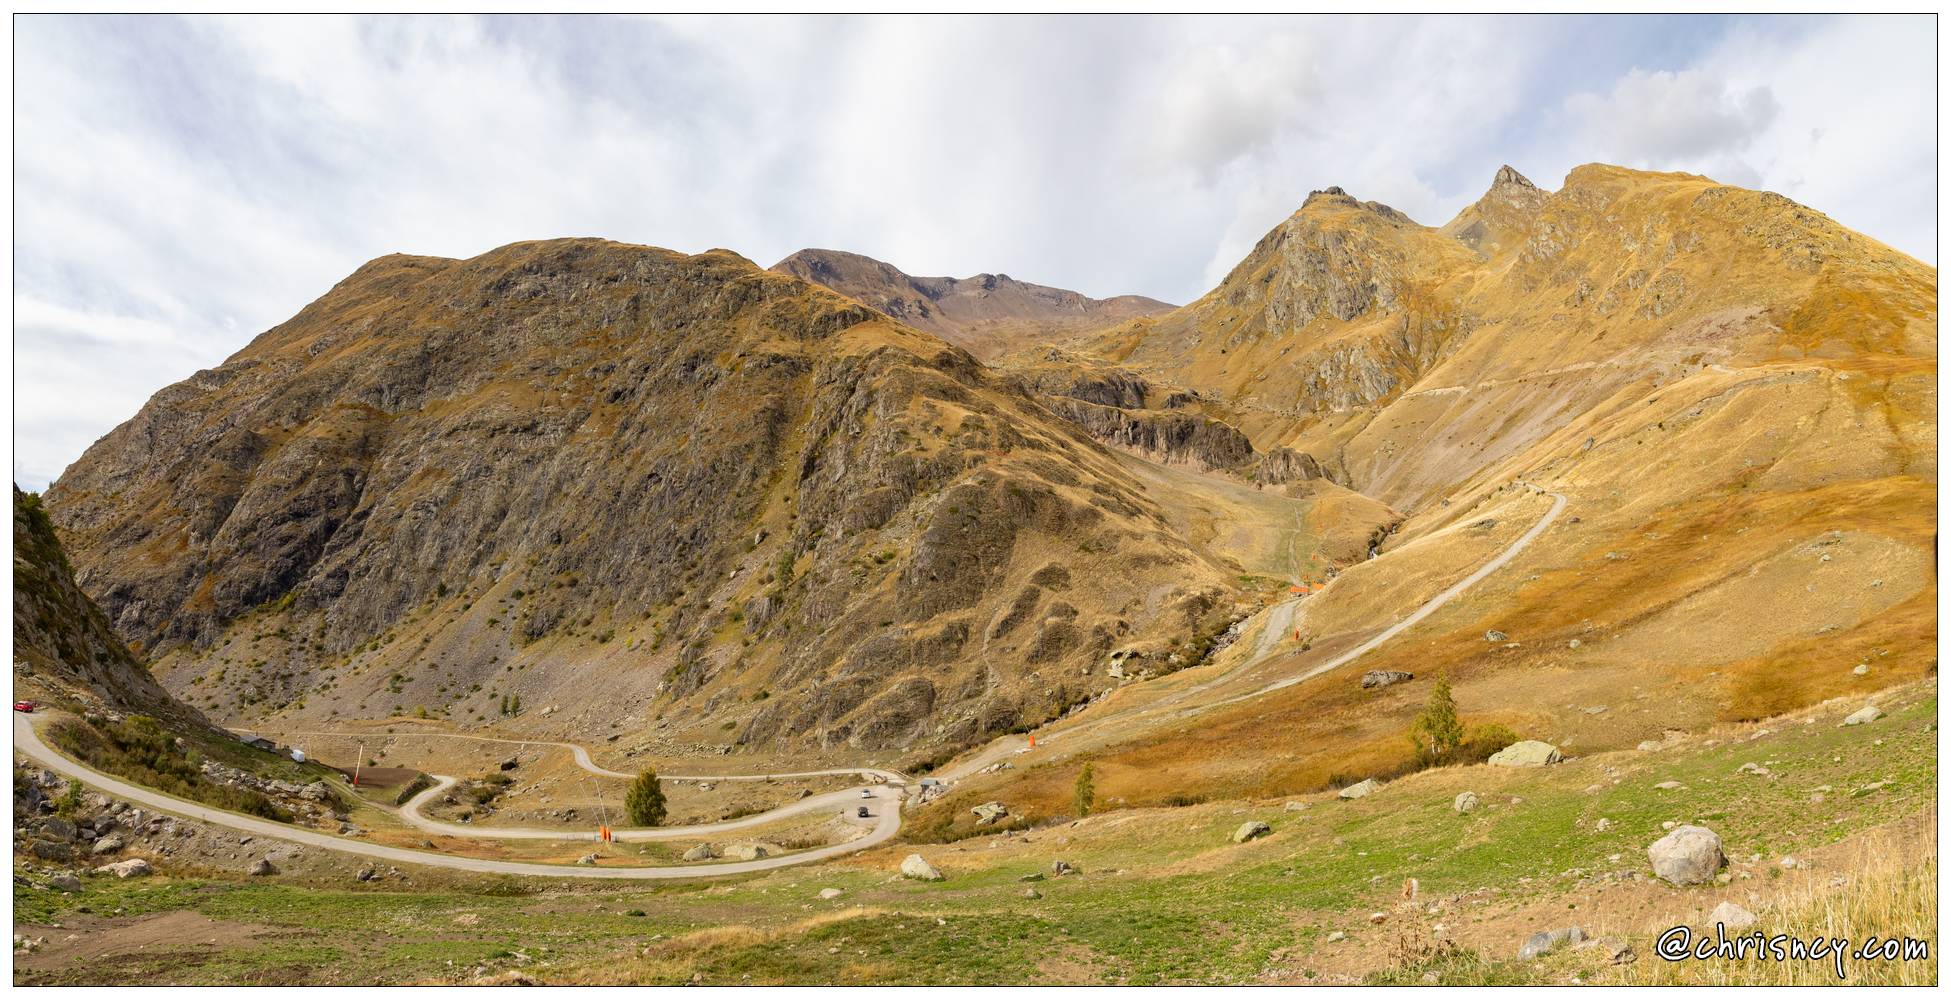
[23,706]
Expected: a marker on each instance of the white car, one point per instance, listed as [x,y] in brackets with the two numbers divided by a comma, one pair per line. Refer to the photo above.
[866,793]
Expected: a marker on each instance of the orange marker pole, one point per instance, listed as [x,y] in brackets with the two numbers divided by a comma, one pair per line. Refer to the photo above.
[1033,741]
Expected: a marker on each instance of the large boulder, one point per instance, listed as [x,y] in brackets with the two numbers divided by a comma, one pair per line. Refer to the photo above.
[1526,753]
[702,852]
[1465,802]
[1250,830]
[917,867]
[1360,788]
[1384,678]
[131,868]
[107,845]
[1687,855]
[989,812]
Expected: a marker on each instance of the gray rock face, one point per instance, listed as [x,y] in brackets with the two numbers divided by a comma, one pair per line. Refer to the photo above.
[1526,753]
[1359,789]
[107,845]
[1465,802]
[917,867]
[1687,855]
[1384,678]
[1252,829]
[1868,713]
[1731,915]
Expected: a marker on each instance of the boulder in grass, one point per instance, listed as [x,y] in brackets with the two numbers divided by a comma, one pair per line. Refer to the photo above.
[1866,714]
[132,868]
[917,867]
[1359,789]
[1252,829]
[1687,855]
[1526,753]
[1732,915]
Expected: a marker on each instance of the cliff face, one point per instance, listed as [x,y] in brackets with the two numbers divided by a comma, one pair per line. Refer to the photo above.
[64,647]
[625,483]
[987,315]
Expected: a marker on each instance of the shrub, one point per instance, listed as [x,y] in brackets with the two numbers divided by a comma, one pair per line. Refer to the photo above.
[1084,793]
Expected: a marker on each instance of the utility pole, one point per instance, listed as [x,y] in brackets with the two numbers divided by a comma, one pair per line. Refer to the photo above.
[357,764]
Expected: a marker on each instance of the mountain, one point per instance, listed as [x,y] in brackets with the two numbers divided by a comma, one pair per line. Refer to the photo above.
[987,315]
[1732,396]
[631,487]
[64,648]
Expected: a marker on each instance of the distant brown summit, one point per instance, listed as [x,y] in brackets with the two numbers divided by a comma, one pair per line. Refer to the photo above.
[987,314]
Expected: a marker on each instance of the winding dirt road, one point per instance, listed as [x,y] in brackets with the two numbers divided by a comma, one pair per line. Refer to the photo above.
[887,796]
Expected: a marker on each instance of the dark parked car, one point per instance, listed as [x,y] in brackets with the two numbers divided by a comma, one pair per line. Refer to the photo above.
[863,813]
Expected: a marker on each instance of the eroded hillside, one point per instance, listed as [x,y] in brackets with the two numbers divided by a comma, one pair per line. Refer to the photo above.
[632,489]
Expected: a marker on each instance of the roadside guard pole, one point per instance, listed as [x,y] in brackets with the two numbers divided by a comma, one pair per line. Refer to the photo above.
[357,763]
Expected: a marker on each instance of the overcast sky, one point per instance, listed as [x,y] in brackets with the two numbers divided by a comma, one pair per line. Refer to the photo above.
[182,185]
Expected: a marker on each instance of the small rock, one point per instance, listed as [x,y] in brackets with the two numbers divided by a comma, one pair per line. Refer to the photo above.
[1603,825]
[1862,669]
[1377,918]
[1544,941]
[1465,802]
[1495,636]
[1335,937]
[1031,877]
[107,845]
[1868,713]
[1062,868]
[989,812]
[367,874]
[1667,786]
[831,893]
[131,868]
[702,852]
[1252,829]
[1359,789]
[1294,806]
[64,882]
[1032,894]
[917,867]
[1732,915]
[1649,745]
[262,866]
[1385,678]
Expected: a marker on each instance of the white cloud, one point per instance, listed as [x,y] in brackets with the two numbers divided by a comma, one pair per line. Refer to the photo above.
[184,185]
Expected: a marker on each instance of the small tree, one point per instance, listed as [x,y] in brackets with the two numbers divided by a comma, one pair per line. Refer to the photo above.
[1085,792]
[515,704]
[1437,733]
[644,803]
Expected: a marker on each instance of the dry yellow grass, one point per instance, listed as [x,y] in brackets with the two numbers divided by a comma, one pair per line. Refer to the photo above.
[1889,893]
